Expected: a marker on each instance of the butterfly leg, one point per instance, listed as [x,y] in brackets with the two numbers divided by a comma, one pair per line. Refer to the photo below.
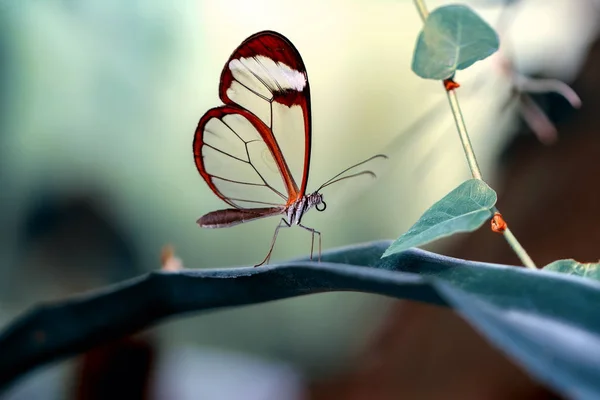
[282,224]
[312,242]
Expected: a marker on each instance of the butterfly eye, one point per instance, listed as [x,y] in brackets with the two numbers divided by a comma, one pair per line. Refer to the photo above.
[323,206]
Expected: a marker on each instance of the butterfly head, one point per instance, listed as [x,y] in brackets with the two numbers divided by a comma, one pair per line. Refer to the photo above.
[316,199]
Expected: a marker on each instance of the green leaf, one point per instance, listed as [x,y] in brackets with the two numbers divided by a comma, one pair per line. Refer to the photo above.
[454,37]
[572,267]
[464,209]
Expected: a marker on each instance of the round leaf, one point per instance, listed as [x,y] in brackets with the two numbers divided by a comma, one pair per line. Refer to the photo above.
[453,38]
[572,267]
[464,209]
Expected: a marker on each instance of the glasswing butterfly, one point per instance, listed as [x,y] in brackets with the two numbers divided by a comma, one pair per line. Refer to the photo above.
[253,150]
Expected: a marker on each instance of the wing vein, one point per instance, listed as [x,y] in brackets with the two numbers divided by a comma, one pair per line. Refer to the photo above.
[257,76]
[234,181]
[227,154]
[279,88]
[252,90]
[232,130]
[255,201]
[277,192]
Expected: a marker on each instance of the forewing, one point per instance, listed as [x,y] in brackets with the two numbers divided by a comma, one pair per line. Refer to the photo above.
[266,76]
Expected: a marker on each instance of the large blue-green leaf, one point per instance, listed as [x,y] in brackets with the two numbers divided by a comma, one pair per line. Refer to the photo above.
[464,209]
[548,323]
[453,38]
[572,267]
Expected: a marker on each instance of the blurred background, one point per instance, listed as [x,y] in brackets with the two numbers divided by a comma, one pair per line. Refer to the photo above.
[99,103]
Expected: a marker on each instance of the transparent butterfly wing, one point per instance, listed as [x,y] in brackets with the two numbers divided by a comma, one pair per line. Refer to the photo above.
[253,151]
[236,162]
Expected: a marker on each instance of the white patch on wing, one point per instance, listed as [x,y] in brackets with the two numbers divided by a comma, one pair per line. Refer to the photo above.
[248,78]
[275,76]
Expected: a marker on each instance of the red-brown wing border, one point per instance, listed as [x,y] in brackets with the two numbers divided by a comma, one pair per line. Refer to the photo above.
[280,49]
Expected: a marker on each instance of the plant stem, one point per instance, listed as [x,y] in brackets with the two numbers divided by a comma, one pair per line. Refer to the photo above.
[470,154]
[518,249]
[464,135]
[422,9]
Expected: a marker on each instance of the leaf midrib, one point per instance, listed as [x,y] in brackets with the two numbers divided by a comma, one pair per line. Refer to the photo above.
[453,217]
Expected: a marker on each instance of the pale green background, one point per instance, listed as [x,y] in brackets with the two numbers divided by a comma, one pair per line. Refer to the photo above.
[107,92]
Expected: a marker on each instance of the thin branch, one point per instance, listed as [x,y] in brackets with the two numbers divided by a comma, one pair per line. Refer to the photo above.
[518,249]
[422,9]
[463,134]
[57,330]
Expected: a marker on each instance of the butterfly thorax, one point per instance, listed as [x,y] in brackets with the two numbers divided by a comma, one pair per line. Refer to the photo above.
[296,210]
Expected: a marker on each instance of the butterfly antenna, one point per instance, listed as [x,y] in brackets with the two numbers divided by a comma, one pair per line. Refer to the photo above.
[335,178]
